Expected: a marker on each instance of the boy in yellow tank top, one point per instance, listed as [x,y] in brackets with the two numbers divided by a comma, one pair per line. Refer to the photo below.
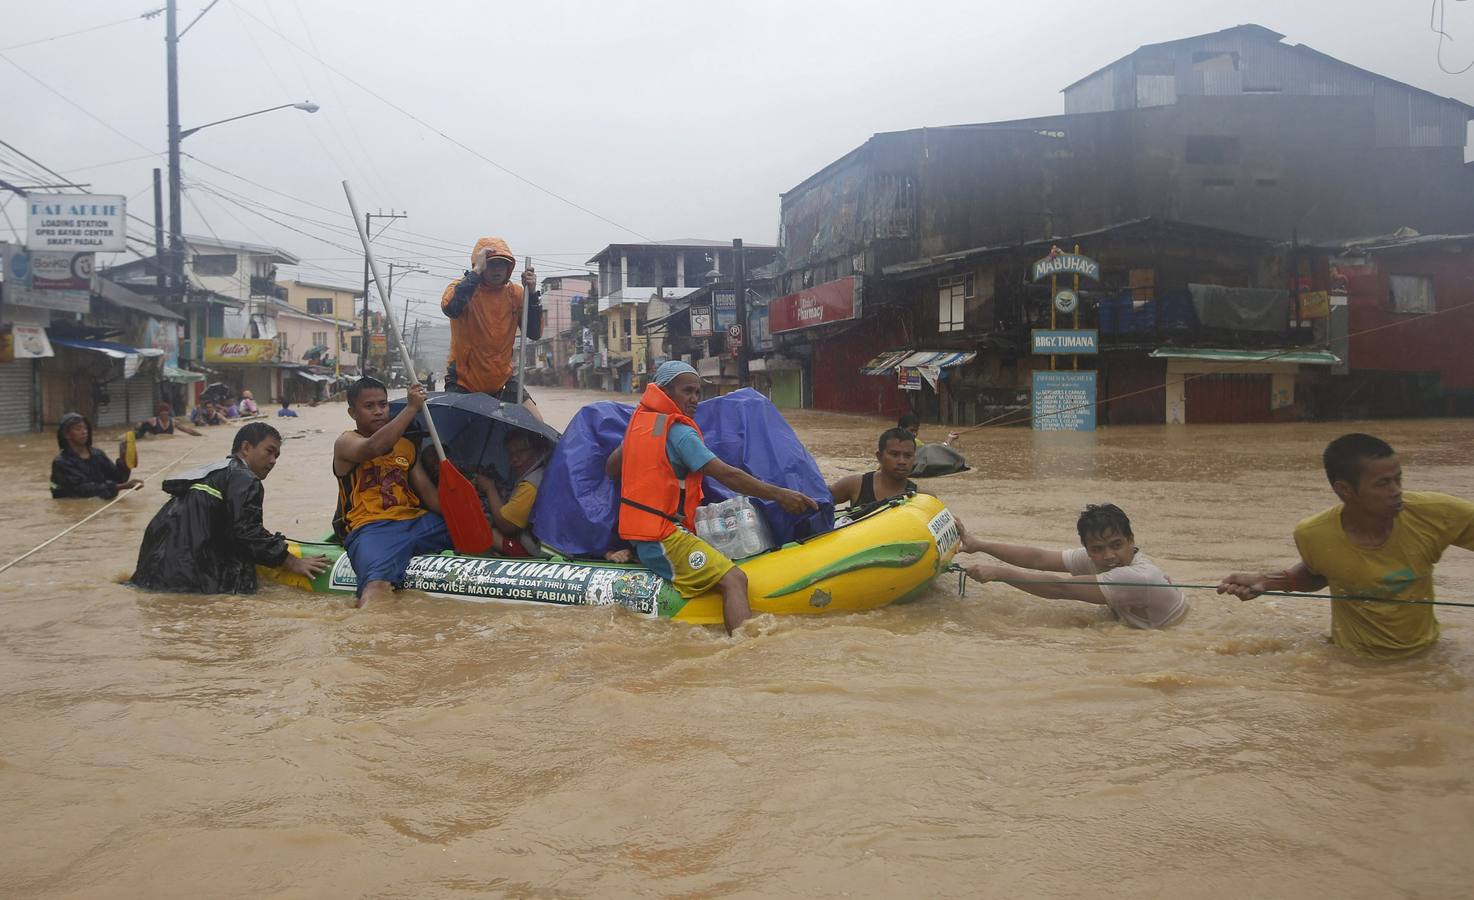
[388,508]
[1380,542]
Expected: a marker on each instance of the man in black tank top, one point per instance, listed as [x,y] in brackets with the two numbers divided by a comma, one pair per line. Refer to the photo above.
[895,452]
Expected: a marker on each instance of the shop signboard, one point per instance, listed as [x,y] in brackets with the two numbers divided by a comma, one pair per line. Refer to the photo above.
[241,351]
[701,321]
[61,271]
[76,222]
[908,378]
[1064,401]
[832,301]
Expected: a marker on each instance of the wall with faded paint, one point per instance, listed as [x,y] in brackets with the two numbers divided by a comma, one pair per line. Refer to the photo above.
[1406,342]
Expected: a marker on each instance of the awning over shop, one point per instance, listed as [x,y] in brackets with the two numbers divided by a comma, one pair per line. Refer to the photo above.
[577,359]
[884,363]
[312,376]
[916,359]
[121,297]
[938,359]
[116,351]
[132,357]
[1207,354]
[181,376]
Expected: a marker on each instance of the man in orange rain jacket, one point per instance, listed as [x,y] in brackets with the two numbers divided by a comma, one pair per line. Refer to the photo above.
[660,466]
[485,311]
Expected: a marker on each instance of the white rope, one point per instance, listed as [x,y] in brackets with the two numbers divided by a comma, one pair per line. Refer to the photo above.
[94,513]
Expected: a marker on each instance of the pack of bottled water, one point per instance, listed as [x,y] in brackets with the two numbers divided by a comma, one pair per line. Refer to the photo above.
[734,528]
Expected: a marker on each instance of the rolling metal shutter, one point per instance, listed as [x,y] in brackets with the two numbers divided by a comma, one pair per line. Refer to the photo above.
[129,400]
[17,397]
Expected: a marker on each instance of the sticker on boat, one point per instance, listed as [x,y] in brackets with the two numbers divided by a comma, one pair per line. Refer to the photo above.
[526,581]
[944,532]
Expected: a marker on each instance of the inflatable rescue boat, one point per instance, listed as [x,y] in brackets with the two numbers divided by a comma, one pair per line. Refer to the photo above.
[889,555]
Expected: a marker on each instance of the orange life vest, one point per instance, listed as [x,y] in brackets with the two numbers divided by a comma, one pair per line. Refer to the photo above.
[652,500]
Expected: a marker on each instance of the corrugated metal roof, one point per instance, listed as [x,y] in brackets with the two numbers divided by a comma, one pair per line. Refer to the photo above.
[884,363]
[1303,357]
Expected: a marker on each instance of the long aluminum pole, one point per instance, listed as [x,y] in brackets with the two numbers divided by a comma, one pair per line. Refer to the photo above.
[409,364]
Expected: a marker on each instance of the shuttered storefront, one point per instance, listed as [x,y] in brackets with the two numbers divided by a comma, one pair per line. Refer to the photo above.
[17,397]
[1223,399]
[129,400]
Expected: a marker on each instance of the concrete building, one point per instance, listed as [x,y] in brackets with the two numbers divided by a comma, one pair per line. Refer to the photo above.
[335,303]
[638,282]
[1234,132]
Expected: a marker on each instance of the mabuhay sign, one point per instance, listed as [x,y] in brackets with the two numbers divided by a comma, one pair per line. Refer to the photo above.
[1066,264]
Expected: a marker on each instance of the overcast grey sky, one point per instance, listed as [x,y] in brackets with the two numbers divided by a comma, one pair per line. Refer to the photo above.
[667,119]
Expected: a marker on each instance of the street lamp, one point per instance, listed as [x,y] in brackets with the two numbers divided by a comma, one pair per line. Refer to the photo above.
[305,106]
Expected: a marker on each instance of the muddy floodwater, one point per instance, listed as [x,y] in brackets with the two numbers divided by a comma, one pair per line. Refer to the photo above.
[991,744]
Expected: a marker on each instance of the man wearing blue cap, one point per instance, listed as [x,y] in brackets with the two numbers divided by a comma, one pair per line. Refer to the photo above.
[660,467]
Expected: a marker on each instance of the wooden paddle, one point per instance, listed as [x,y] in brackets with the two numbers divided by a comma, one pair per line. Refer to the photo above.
[460,505]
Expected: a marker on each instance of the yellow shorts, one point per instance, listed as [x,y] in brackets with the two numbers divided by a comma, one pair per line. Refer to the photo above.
[684,560]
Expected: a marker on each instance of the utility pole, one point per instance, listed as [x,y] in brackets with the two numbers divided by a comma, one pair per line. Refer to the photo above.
[176,228]
[739,283]
[161,272]
[368,229]
[404,318]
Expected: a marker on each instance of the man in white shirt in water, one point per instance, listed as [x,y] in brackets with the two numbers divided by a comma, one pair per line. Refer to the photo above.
[1107,569]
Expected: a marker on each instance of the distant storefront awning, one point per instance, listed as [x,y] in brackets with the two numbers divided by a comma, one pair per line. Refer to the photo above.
[884,363]
[938,359]
[917,359]
[312,376]
[182,376]
[1208,354]
[132,357]
[577,359]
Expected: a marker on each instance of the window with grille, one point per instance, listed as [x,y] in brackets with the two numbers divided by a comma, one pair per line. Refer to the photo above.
[953,292]
[320,306]
[214,264]
[1410,293]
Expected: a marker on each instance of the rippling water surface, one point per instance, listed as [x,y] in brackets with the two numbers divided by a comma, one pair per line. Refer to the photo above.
[991,744]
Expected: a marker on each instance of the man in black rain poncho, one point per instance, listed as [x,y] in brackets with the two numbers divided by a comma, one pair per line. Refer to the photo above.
[208,539]
[82,470]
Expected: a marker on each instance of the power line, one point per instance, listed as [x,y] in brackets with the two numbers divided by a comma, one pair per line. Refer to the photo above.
[1435,24]
[75,104]
[471,150]
[56,37]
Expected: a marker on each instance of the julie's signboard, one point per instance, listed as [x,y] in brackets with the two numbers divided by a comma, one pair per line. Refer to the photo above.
[240,351]
[832,301]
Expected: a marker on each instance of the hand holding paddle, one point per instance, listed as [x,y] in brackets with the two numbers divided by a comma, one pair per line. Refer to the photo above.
[460,505]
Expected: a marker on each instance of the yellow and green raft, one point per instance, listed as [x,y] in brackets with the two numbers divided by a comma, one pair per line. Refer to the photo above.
[888,556]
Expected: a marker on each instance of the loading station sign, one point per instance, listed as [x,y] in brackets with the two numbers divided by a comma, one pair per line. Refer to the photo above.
[76,222]
[1064,401]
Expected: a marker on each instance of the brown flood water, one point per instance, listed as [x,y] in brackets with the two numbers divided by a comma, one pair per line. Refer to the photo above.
[993,744]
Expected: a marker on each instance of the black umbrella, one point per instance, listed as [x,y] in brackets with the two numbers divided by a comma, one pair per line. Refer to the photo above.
[474,429]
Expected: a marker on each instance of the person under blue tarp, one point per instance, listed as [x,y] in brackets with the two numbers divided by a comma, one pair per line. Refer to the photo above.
[577,507]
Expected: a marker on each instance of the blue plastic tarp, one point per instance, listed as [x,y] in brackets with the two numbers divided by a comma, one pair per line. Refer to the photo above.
[577,507]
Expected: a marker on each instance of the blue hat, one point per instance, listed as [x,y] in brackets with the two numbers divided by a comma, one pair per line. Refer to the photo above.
[670,369]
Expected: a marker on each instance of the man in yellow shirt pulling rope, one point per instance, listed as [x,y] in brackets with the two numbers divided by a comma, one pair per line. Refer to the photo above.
[1380,542]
